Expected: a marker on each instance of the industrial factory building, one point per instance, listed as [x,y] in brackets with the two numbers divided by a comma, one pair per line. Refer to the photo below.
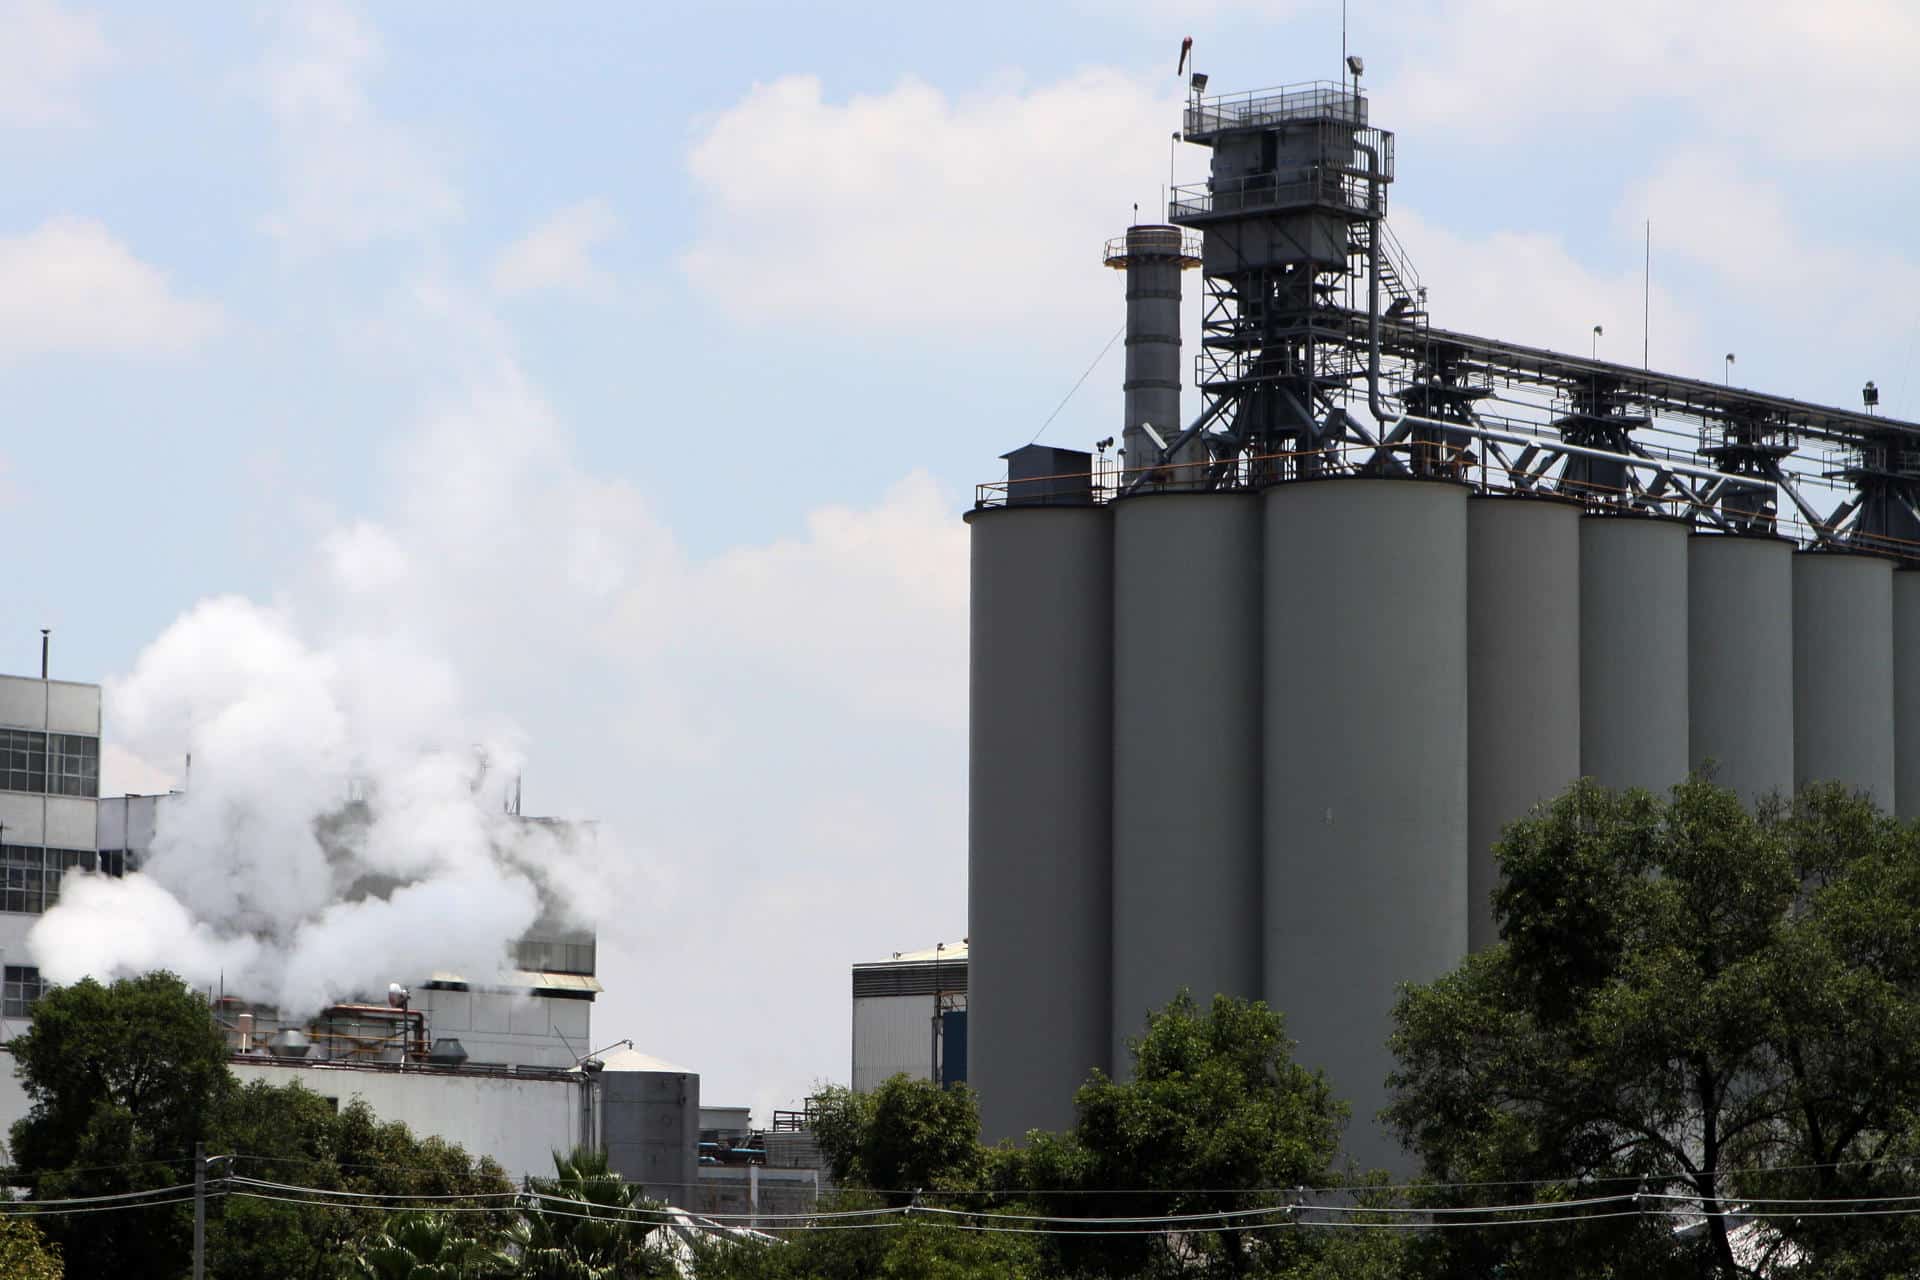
[506,1064]
[1252,699]
[910,1016]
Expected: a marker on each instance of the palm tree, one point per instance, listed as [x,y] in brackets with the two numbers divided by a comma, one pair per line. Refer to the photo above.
[586,1223]
[428,1246]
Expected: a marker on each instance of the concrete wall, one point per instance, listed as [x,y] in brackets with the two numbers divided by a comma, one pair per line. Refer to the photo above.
[1740,661]
[1365,767]
[59,705]
[519,1122]
[1523,675]
[1039,869]
[1186,754]
[1843,672]
[1633,651]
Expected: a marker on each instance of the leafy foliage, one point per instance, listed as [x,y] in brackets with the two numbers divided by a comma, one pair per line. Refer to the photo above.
[428,1246]
[25,1253]
[123,1081]
[1688,999]
[582,1225]
[906,1136]
[291,1135]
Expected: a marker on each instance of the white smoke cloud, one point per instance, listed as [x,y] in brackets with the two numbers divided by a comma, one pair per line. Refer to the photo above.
[344,825]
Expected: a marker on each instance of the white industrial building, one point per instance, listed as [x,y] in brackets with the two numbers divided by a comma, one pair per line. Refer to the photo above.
[507,1068]
[910,1016]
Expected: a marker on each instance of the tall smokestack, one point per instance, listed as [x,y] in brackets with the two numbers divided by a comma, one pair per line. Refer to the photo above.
[1153,256]
[44,633]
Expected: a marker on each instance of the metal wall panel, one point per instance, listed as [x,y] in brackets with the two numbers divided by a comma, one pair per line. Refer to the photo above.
[1740,663]
[1040,757]
[1186,754]
[1906,693]
[1843,689]
[1365,768]
[1523,675]
[1633,651]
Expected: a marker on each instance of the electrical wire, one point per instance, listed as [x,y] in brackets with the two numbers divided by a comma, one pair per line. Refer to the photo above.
[1077,385]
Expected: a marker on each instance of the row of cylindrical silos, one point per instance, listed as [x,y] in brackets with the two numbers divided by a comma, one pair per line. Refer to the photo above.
[1262,744]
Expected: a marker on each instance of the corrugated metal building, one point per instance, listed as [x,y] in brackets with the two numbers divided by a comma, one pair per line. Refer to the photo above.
[910,1016]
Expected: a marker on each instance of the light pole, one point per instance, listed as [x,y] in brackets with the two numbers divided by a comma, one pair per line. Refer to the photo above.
[1728,369]
[1594,351]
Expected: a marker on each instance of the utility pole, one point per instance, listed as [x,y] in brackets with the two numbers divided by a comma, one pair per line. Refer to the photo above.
[199,1211]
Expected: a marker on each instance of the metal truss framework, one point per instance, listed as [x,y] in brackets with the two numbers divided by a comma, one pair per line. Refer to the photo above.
[1290,349]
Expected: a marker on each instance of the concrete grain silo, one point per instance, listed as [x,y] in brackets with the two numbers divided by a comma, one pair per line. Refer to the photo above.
[1186,752]
[1039,876]
[1523,675]
[1633,651]
[1906,693]
[1366,765]
[1740,667]
[1251,709]
[1843,671]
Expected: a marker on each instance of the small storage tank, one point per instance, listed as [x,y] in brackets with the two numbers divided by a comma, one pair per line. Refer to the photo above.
[1040,757]
[1186,753]
[1740,664]
[1523,675]
[1365,768]
[1633,651]
[1843,672]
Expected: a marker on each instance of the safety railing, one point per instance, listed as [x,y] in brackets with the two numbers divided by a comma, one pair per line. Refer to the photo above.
[1469,462]
[1257,108]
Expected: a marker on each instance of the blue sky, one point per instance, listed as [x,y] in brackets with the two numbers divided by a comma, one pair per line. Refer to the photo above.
[659,349]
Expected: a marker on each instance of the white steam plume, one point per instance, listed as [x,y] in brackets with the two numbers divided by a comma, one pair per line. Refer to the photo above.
[344,825]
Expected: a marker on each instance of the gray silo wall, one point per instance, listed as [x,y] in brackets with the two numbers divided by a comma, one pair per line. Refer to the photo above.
[1365,766]
[1039,876]
[1740,670]
[1906,693]
[1523,675]
[1843,672]
[1633,651]
[1186,753]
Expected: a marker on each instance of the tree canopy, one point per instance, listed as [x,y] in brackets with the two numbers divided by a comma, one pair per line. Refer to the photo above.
[1708,1006]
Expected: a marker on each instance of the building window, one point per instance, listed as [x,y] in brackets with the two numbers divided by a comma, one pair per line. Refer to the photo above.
[73,765]
[23,760]
[30,875]
[23,988]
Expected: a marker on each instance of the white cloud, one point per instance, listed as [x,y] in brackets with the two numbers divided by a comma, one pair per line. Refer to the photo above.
[970,219]
[1821,80]
[70,286]
[45,50]
[1527,286]
[350,177]
[558,254]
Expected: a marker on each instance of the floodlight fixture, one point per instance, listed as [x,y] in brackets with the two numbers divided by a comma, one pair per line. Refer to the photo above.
[1356,64]
[1870,394]
[1198,82]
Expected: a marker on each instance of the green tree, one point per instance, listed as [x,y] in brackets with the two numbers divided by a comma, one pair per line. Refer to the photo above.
[586,1223]
[290,1135]
[25,1253]
[122,1082]
[427,1246]
[1688,1000]
[906,1136]
[1215,1119]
